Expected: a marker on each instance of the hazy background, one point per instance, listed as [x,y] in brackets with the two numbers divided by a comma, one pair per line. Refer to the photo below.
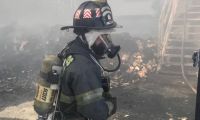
[138,17]
[30,29]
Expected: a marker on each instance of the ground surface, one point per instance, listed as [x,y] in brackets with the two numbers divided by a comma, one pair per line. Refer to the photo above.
[160,97]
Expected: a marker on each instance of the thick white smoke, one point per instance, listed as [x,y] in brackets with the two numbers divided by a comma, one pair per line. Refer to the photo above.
[53,12]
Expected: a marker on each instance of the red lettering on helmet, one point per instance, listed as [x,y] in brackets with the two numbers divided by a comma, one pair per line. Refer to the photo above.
[98,12]
[87,14]
[77,14]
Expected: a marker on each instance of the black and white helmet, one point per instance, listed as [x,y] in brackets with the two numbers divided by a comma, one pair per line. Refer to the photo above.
[92,15]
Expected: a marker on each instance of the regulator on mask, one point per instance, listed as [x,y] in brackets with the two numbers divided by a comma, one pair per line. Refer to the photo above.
[103,45]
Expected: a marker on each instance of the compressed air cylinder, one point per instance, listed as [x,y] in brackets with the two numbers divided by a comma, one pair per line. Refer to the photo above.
[47,84]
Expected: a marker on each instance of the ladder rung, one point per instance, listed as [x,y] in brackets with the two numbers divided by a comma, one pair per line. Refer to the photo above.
[189,19]
[193,25]
[188,64]
[179,64]
[188,48]
[194,6]
[172,72]
[178,26]
[194,19]
[174,40]
[178,40]
[169,72]
[187,26]
[174,33]
[194,12]
[194,33]
[175,55]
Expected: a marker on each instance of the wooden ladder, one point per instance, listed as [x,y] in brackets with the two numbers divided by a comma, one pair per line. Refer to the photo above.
[181,40]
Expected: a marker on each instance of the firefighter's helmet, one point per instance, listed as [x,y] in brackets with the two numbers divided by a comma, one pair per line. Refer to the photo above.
[92,15]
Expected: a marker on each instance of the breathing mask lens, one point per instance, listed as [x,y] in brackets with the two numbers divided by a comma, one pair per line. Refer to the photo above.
[99,47]
[112,50]
[103,45]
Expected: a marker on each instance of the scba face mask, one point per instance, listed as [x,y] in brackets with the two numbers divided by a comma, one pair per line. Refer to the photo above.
[104,45]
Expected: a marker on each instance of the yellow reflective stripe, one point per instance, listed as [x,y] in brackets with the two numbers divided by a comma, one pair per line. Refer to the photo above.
[68,61]
[89,97]
[66,99]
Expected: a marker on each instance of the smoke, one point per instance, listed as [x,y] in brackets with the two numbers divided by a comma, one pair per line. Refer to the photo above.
[32,12]
[29,29]
[54,12]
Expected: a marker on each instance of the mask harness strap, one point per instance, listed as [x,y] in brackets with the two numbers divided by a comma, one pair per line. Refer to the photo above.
[97,62]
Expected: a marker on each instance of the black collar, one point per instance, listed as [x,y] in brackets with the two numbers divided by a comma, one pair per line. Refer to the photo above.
[77,46]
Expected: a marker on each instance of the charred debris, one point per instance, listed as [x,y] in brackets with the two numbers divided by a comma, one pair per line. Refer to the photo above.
[21,52]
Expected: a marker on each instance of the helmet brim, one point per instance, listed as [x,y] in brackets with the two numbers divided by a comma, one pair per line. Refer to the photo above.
[114,25]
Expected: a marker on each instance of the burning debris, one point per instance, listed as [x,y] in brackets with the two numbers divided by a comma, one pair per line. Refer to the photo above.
[21,59]
[140,68]
[136,65]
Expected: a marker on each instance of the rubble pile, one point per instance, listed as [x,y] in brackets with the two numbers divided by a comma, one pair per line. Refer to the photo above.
[137,64]
[142,64]
[22,50]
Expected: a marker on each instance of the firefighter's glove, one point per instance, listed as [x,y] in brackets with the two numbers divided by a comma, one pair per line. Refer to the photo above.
[40,117]
[112,105]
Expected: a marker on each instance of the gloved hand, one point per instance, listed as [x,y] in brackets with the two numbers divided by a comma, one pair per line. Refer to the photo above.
[40,117]
[112,105]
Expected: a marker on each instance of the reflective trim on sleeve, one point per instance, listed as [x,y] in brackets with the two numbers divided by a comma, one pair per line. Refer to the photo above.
[66,99]
[89,97]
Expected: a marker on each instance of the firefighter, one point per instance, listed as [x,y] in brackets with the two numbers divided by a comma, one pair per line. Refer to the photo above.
[72,85]
[83,95]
